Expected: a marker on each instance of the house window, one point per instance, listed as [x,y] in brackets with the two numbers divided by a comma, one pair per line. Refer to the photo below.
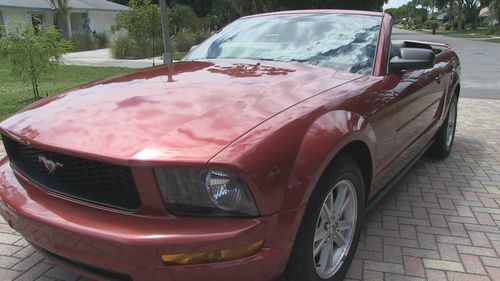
[36,20]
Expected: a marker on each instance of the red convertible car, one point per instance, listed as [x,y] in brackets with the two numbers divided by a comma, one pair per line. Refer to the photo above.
[257,156]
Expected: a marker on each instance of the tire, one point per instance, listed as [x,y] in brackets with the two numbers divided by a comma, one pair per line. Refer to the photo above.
[342,177]
[445,136]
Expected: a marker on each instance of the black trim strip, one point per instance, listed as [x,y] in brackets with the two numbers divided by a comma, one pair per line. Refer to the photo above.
[394,181]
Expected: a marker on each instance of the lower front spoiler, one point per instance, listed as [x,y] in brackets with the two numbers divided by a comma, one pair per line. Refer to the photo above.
[266,265]
[247,269]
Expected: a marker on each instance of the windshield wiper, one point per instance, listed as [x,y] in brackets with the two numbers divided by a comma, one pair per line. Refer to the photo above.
[267,59]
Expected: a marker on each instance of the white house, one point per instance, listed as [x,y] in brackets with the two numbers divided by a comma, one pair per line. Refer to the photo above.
[93,15]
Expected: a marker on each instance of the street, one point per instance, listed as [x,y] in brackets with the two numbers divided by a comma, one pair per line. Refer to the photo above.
[480,62]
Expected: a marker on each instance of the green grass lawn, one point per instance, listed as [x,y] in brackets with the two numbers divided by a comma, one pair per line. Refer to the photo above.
[179,55]
[493,40]
[481,33]
[469,33]
[14,94]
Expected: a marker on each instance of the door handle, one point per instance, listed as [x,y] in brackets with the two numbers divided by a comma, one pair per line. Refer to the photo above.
[438,78]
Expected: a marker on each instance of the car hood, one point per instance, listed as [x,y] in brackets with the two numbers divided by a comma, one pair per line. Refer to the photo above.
[143,116]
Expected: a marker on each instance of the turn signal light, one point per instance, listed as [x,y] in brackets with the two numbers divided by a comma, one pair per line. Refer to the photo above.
[212,256]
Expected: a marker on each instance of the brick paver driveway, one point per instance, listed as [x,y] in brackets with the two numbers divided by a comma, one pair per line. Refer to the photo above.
[442,222]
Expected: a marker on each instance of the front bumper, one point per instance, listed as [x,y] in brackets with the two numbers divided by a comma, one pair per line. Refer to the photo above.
[89,239]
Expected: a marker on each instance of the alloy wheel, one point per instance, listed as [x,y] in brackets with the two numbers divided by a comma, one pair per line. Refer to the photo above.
[450,127]
[335,229]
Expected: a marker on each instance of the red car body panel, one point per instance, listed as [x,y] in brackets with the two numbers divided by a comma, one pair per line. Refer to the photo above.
[276,125]
[142,108]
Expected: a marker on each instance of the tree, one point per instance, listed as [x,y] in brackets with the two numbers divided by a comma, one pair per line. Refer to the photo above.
[471,12]
[182,17]
[61,17]
[201,7]
[143,24]
[410,15]
[223,12]
[497,10]
[33,54]
[460,13]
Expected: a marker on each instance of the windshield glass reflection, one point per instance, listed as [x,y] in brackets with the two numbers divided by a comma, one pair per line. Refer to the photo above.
[340,41]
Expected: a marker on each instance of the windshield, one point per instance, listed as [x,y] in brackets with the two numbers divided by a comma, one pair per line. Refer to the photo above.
[341,41]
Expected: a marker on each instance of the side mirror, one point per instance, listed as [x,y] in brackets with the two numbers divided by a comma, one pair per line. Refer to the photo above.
[413,58]
[193,48]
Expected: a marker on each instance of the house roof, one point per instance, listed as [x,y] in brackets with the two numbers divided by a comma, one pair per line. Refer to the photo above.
[484,12]
[101,5]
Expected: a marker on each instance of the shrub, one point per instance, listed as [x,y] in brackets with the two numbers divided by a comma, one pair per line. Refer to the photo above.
[121,46]
[456,21]
[454,24]
[493,30]
[183,41]
[418,26]
[87,41]
[418,21]
[125,47]
[84,42]
[102,39]
[32,53]
[432,24]
[201,36]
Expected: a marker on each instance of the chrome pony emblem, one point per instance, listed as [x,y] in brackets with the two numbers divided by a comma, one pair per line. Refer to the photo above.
[50,165]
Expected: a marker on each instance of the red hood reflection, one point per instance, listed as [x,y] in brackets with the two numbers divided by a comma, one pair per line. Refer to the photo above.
[142,116]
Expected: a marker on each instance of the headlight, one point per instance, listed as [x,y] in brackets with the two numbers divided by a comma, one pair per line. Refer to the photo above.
[201,192]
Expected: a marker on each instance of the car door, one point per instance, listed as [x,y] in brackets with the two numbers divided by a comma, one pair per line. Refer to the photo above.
[417,97]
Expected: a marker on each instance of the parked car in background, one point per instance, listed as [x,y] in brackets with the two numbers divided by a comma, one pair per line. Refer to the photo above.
[257,159]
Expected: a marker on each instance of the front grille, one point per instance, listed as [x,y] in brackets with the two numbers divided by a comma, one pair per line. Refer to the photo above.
[78,178]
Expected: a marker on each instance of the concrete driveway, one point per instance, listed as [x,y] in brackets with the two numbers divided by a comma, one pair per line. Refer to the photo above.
[480,62]
[441,222]
[102,57]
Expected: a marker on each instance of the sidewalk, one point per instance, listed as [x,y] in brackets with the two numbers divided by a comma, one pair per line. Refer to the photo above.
[102,57]
[441,222]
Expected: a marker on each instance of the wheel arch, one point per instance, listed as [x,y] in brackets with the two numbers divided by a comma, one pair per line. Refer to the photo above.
[334,134]
[457,90]
[360,152]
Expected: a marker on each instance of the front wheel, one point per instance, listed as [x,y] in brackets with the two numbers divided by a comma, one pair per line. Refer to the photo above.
[329,232]
[445,136]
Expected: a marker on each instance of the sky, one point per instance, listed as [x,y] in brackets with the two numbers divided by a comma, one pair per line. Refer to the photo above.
[395,3]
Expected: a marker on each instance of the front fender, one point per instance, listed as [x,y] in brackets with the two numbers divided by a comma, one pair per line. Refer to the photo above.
[323,140]
[283,158]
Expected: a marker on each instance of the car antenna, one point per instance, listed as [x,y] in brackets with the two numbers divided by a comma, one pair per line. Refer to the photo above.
[167,56]
[153,31]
